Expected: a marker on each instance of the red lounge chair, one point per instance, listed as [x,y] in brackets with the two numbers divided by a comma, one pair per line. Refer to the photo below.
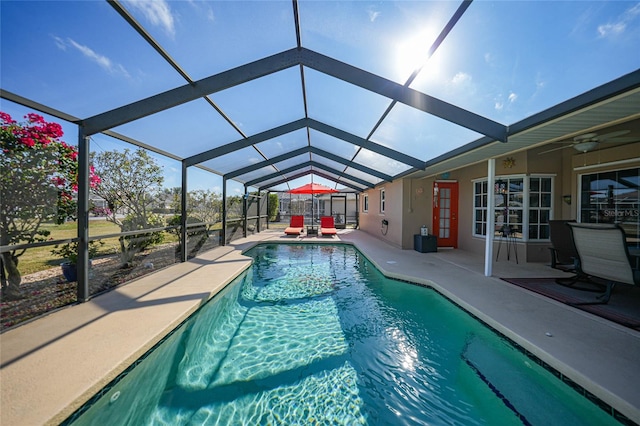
[327,226]
[296,226]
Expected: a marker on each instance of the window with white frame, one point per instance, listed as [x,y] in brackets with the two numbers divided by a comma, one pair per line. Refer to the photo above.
[509,206]
[539,207]
[365,203]
[522,207]
[612,197]
[480,197]
[382,200]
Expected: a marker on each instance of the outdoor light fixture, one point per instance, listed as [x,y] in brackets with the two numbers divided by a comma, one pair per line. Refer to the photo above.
[585,146]
[567,199]
[435,194]
[509,162]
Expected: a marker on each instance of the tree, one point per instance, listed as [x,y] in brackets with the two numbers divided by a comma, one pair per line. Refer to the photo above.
[274,203]
[129,182]
[168,201]
[38,177]
[204,210]
[234,207]
[205,205]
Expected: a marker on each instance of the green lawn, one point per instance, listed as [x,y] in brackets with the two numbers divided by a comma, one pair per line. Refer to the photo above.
[39,258]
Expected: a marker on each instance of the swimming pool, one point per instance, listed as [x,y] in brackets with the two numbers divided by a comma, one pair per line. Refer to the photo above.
[314,334]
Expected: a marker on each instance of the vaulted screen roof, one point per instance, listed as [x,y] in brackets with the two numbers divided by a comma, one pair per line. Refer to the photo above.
[356,93]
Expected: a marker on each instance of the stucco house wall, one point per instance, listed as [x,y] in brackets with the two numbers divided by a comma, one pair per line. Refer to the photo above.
[417,209]
[371,221]
[524,163]
[410,201]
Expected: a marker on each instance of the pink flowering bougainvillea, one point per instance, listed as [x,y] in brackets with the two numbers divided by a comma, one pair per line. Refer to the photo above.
[38,182]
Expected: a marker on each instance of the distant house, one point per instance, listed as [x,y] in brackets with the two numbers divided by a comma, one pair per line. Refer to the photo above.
[97,201]
[341,205]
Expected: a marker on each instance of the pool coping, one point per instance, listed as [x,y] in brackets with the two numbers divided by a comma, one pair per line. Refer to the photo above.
[123,324]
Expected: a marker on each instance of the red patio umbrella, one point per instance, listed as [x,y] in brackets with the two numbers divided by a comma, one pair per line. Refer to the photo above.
[312,188]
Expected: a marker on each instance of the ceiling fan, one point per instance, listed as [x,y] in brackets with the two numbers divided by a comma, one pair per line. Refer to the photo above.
[589,141]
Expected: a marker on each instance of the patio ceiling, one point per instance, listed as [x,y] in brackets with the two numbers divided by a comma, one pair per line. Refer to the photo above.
[303,94]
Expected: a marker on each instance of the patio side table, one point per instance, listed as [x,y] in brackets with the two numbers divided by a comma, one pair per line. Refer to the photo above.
[425,243]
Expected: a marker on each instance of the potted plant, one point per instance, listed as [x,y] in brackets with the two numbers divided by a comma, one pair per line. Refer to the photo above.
[70,252]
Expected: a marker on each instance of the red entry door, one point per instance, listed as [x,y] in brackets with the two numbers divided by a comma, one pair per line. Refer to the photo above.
[445,213]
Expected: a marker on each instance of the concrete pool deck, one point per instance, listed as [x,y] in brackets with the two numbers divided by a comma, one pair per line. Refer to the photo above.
[51,366]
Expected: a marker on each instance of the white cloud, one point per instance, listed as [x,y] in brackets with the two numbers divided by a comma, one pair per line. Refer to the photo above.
[607,30]
[612,29]
[500,103]
[103,61]
[460,84]
[60,43]
[157,12]
[489,58]
[540,84]
[461,78]
[203,9]
[210,15]
[373,15]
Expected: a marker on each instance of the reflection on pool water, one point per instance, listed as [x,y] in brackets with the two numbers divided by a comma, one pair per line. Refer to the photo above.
[314,334]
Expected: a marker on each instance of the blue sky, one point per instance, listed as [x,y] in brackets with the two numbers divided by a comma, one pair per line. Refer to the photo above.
[505,60]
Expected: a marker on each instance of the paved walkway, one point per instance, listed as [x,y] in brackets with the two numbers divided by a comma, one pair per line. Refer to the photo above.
[51,366]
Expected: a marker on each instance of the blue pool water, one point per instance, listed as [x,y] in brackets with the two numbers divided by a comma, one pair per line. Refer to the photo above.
[314,334]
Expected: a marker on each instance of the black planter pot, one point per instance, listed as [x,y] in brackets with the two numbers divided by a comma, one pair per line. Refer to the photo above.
[69,271]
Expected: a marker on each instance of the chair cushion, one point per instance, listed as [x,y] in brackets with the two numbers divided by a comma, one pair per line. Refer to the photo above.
[293,230]
[327,222]
[297,221]
[602,252]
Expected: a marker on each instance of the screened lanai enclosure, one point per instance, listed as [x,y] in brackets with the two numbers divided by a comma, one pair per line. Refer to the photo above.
[189,122]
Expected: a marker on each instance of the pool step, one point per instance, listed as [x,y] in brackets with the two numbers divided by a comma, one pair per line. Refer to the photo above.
[518,386]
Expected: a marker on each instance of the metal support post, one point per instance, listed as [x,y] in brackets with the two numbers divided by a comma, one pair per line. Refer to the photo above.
[83,217]
[245,201]
[223,232]
[183,214]
[491,208]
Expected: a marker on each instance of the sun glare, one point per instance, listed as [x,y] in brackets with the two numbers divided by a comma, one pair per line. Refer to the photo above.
[411,53]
